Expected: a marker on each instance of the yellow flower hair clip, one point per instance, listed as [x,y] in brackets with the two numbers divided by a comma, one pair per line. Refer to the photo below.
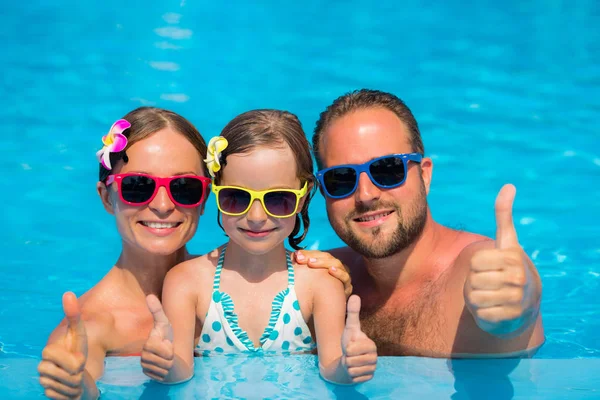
[213,156]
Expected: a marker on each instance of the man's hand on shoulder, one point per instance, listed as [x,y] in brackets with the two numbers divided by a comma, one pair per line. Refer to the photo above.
[325,260]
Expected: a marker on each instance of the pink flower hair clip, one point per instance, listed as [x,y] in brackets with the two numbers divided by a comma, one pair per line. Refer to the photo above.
[114,142]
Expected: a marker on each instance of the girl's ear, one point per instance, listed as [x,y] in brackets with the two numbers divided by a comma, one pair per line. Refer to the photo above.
[304,198]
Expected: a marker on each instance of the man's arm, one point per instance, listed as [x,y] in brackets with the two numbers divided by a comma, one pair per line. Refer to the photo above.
[500,284]
[502,290]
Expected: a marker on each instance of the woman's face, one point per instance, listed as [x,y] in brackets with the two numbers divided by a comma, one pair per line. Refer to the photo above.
[159,227]
[261,169]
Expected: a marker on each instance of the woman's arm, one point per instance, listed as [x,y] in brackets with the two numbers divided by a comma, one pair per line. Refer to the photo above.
[73,358]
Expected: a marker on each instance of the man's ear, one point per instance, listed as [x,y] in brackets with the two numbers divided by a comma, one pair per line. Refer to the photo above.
[426,172]
[321,191]
[104,194]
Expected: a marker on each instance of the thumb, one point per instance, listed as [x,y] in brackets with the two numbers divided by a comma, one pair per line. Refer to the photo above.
[352,314]
[506,234]
[76,339]
[162,327]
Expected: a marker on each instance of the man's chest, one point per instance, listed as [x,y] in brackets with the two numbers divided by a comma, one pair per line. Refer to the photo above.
[409,325]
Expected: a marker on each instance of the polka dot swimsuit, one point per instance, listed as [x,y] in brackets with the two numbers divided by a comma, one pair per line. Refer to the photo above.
[286,331]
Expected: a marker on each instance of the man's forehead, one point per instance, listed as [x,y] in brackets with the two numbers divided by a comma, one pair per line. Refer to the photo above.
[363,135]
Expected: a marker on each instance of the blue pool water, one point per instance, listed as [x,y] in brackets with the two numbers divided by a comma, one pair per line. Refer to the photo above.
[296,377]
[503,92]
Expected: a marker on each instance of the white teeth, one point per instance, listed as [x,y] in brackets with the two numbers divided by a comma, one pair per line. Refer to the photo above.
[373,217]
[160,225]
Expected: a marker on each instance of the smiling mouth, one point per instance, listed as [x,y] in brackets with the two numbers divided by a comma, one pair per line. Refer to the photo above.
[373,217]
[160,225]
[257,232]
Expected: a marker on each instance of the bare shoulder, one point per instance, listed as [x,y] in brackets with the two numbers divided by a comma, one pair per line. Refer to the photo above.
[453,254]
[94,305]
[474,240]
[344,254]
[462,248]
[97,316]
[453,258]
[99,324]
[194,270]
[350,258]
[316,278]
[95,312]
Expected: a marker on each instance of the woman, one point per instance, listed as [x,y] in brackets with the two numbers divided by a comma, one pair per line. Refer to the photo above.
[153,180]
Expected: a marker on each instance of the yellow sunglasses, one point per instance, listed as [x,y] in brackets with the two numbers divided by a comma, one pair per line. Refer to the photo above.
[278,203]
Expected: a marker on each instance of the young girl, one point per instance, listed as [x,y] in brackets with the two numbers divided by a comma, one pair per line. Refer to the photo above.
[247,295]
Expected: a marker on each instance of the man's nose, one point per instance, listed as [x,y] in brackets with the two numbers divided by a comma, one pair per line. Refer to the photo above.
[366,191]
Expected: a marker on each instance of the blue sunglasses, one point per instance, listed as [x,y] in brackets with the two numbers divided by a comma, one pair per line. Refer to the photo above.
[385,172]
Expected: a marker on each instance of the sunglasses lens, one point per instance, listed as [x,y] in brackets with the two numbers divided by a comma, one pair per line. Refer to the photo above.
[280,204]
[339,182]
[137,189]
[388,171]
[234,201]
[187,190]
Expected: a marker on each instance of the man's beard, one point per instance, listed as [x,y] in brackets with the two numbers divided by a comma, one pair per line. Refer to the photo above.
[410,225]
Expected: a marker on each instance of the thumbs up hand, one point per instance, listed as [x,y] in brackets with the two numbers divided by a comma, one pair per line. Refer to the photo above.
[496,290]
[63,361]
[75,339]
[158,355]
[359,352]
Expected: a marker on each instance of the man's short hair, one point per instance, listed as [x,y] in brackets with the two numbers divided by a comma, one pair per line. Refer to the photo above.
[363,99]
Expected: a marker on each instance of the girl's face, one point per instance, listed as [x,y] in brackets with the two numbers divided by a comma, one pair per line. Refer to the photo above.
[159,227]
[263,168]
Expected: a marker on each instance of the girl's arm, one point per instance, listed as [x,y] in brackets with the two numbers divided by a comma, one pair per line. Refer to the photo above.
[168,355]
[346,354]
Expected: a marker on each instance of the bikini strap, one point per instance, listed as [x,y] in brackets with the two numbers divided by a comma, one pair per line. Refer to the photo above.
[290,267]
[217,280]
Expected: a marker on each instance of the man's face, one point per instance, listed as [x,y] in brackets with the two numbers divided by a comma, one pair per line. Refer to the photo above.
[375,222]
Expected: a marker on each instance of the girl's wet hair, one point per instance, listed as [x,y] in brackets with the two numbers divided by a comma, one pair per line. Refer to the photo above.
[272,128]
[148,120]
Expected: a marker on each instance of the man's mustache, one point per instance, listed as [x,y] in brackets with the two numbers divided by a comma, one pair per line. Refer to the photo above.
[362,208]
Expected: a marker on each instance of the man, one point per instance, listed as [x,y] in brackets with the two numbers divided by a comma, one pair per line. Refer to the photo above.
[426,290]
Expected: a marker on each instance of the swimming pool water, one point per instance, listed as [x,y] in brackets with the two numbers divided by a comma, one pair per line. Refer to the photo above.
[296,377]
[503,92]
